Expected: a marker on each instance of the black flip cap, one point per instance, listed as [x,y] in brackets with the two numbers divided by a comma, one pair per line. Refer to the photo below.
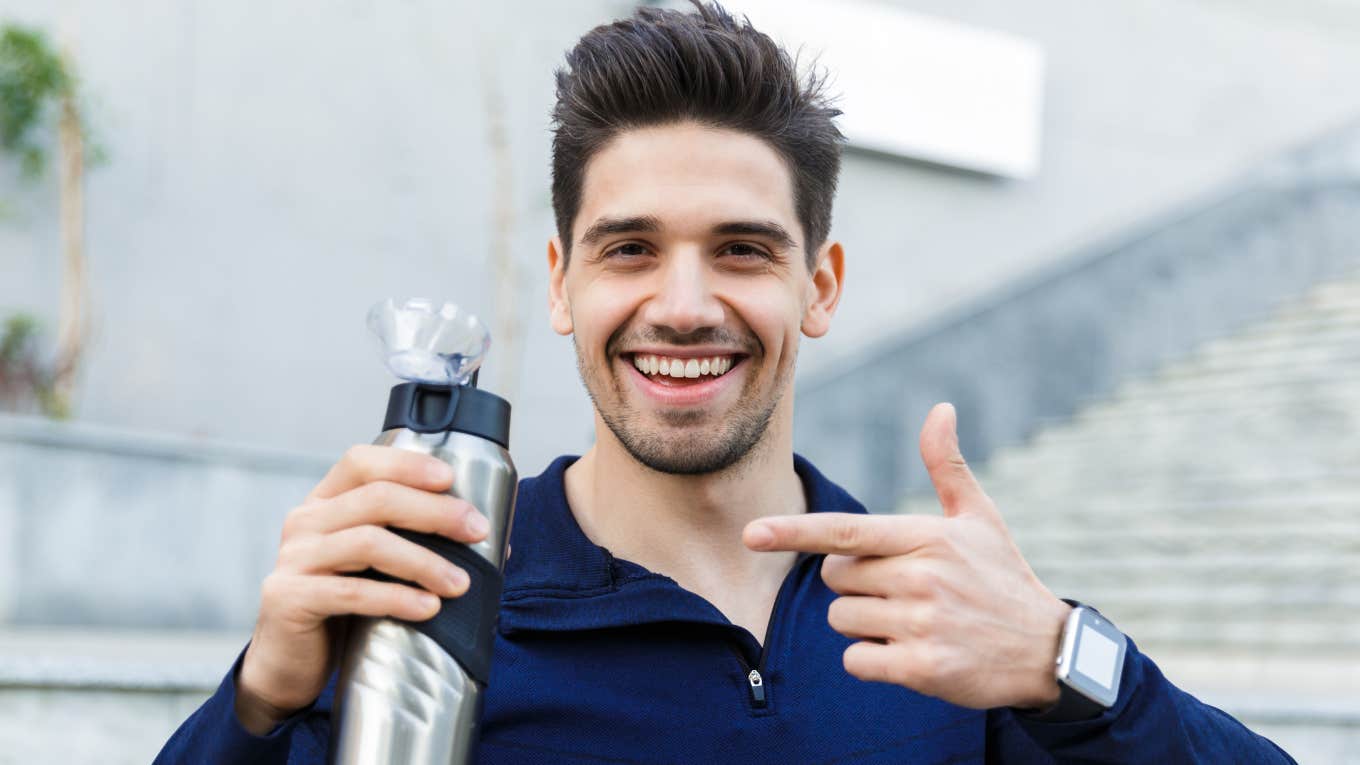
[427,408]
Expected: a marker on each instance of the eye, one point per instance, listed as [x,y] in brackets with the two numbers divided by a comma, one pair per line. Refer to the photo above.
[626,250]
[745,251]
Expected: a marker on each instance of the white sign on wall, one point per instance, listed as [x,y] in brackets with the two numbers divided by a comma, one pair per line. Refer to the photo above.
[916,86]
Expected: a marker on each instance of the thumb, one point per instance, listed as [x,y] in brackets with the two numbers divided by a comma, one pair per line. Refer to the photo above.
[954,483]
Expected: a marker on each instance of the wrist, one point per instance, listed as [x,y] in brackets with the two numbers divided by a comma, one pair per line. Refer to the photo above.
[256,714]
[1043,691]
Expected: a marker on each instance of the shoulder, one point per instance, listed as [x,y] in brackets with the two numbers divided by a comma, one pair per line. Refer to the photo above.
[546,487]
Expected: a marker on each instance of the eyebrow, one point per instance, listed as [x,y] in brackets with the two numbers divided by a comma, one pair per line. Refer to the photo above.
[605,227]
[767,229]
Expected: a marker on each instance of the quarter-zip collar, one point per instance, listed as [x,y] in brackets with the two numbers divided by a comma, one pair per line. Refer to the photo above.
[560,580]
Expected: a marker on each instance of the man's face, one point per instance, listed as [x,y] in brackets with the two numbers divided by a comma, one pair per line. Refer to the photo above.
[689,259]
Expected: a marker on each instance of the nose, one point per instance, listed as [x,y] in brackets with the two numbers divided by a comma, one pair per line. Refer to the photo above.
[684,299]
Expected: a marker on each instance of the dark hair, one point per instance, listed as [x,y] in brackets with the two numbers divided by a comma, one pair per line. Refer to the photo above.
[663,66]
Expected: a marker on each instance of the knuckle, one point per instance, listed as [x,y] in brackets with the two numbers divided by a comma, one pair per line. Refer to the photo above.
[353,459]
[380,493]
[846,537]
[369,541]
[296,521]
[288,553]
[349,591]
[273,589]
[921,621]
[378,500]
[918,581]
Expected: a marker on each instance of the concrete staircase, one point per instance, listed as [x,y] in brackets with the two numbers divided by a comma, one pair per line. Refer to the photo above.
[1212,510]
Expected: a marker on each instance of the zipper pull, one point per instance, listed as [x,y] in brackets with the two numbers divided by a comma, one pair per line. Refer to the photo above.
[757,687]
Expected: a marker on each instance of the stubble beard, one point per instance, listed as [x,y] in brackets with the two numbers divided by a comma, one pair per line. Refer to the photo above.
[693,448]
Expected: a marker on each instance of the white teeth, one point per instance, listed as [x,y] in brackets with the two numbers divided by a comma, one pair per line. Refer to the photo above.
[677,368]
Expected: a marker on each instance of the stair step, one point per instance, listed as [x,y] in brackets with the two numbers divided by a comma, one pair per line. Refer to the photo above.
[1200,572]
[1067,484]
[1247,387]
[1332,355]
[1088,506]
[1293,636]
[1153,444]
[1282,531]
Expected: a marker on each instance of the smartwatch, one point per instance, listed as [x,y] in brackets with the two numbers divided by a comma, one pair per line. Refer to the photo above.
[1089,665]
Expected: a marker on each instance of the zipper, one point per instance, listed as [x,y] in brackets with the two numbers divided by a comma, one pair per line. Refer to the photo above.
[755,676]
[757,688]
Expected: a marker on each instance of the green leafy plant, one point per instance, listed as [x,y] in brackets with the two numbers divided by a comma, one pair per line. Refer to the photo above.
[32,81]
[22,376]
[38,104]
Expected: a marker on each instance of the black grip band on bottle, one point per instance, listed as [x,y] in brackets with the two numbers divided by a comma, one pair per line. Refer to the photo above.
[465,626]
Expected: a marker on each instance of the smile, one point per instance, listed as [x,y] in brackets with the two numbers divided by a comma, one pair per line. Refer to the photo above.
[684,381]
[674,367]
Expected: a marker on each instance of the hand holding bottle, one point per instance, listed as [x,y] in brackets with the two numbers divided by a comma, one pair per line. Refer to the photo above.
[340,528]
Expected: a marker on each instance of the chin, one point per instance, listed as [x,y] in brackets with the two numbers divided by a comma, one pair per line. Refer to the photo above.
[692,442]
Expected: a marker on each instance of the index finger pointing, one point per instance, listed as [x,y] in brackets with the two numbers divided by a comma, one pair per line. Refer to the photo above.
[840,533]
[366,463]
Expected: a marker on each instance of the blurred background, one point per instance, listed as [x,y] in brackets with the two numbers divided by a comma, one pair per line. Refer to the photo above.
[1123,238]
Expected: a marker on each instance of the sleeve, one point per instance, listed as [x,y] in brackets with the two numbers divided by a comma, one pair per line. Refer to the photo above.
[213,734]
[1151,721]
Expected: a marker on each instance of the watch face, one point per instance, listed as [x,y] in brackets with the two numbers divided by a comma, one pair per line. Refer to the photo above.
[1096,655]
[1092,657]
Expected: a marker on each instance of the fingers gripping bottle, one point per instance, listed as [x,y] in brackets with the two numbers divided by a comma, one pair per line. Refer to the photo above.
[411,692]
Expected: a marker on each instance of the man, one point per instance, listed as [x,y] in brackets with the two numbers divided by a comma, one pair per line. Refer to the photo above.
[689,590]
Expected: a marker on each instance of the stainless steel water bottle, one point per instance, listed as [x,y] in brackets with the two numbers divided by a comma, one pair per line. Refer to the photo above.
[411,692]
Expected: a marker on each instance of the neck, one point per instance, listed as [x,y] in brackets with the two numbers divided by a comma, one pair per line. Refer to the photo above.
[689,527]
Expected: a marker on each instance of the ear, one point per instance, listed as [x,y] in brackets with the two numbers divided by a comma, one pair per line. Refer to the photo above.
[828,278]
[559,307]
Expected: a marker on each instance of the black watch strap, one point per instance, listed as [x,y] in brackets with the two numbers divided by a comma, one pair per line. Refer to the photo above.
[1071,707]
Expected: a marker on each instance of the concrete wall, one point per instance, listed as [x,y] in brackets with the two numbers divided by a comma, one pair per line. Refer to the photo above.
[106,528]
[275,168]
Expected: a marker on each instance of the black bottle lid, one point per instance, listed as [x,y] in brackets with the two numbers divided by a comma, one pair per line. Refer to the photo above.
[430,408]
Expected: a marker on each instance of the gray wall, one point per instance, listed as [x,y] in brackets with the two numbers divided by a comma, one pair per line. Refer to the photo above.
[276,167]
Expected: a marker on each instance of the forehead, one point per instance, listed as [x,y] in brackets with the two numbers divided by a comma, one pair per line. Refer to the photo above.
[688,176]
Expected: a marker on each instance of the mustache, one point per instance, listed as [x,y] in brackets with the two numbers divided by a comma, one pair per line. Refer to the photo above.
[658,335]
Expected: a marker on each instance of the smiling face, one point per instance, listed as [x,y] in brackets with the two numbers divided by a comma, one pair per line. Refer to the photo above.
[686,291]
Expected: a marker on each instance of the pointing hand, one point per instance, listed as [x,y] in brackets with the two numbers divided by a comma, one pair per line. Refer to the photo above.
[944,605]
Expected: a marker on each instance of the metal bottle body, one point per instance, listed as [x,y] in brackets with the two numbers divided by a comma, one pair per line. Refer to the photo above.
[400,697]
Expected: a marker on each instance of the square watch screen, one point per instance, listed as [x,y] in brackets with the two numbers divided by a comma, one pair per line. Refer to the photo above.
[1096,656]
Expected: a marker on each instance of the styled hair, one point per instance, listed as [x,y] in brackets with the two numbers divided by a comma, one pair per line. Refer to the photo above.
[663,66]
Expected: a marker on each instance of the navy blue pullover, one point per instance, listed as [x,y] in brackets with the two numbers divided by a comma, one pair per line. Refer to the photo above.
[599,660]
